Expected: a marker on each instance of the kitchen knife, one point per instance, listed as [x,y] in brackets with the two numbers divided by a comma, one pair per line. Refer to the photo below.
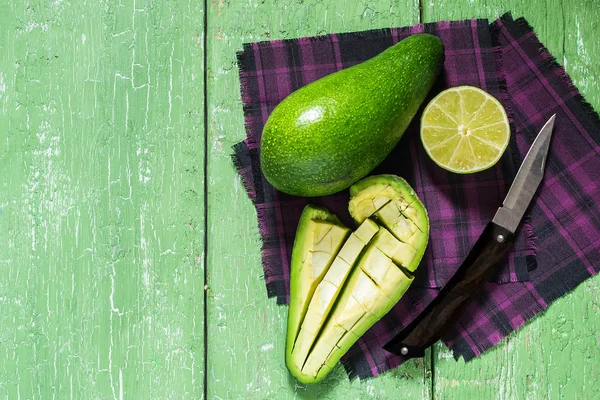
[478,267]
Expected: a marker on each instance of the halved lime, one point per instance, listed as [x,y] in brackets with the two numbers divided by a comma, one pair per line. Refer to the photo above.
[465,129]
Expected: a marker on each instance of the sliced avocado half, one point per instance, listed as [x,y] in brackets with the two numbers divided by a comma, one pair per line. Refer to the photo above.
[335,302]
[374,286]
[327,292]
[319,237]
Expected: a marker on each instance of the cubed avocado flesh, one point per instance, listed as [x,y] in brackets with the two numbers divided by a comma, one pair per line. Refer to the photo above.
[328,289]
[402,214]
[319,237]
[370,194]
[403,254]
[402,227]
[367,276]
[373,288]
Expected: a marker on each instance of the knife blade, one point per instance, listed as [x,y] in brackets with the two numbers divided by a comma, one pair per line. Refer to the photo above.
[497,238]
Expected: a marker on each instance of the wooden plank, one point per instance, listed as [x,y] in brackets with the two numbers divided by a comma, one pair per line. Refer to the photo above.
[101,200]
[554,355]
[246,331]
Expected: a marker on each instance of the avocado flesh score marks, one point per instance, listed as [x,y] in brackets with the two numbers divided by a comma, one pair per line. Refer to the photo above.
[373,288]
[366,279]
[319,237]
[392,202]
[328,290]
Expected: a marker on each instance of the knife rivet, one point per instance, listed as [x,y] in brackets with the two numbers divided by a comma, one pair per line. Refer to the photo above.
[404,351]
[500,238]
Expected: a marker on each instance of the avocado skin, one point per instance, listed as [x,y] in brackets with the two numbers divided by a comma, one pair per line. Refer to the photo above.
[330,133]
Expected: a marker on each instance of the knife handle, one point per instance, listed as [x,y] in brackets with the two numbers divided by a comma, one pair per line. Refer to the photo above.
[447,307]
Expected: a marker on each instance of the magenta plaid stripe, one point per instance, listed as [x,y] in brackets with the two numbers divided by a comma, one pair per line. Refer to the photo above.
[564,218]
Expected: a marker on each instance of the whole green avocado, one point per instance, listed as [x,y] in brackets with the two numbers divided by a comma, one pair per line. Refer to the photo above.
[327,135]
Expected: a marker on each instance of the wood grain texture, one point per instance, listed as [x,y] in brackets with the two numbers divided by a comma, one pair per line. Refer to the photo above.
[246,331]
[101,200]
[555,355]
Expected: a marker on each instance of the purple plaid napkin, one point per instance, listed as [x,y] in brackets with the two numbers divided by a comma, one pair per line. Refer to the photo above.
[564,218]
[459,205]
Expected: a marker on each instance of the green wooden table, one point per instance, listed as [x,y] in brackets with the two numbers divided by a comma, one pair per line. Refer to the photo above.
[129,252]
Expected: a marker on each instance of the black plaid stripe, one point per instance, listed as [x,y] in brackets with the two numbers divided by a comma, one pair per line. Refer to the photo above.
[293,59]
[358,47]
